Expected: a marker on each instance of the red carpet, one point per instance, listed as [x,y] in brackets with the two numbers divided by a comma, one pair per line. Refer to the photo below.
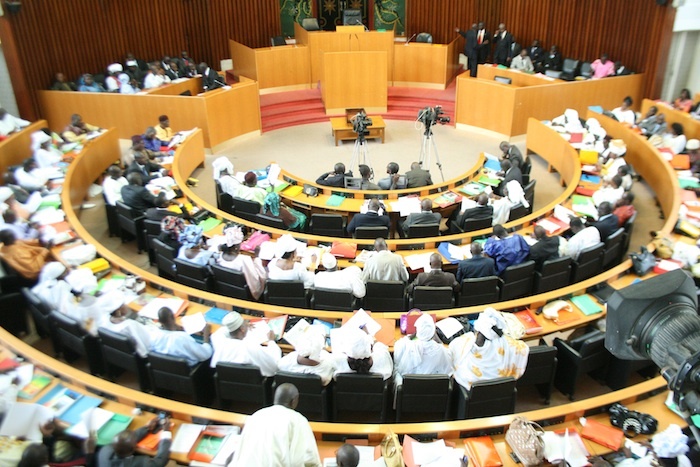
[283,109]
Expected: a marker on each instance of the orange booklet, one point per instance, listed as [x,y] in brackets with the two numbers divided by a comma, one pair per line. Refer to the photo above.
[531,325]
[149,442]
[605,435]
[482,452]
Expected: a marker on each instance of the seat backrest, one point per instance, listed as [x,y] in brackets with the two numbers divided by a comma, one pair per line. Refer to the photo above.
[313,399]
[118,342]
[69,333]
[570,65]
[353,183]
[327,299]
[352,17]
[425,394]
[518,280]
[541,361]
[479,290]
[529,193]
[476,224]
[151,227]
[586,69]
[193,271]
[613,247]
[492,397]
[285,288]
[166,364]
[326,225]
[230,283]
[424,37]
[592,345]
[385,296]
[355,395]
[372,232]
[127,211]
[226,202]
[423,230]
[517,211]
[244,205]
[589,262]
[518,271]
[555,273]
[555,266]
[269,221]
[431,298]
[310,24]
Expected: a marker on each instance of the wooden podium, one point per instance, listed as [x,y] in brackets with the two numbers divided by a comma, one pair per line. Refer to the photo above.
[354,79]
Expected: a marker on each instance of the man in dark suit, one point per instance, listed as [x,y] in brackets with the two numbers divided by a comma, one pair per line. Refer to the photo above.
[482,210]
[553,60]
[536,53]
[136,196]
[425,216]
[545,248]
[335,178]
[470,48]
[502,40]
[510,172]
[369,219]
[210,78]
[436,277]
[476,266]
[483,43]
[417,176]
[512,153]
[141,165]
[608,222]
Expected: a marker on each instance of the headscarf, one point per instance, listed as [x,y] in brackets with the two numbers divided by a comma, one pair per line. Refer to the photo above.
[126,87]
[359,344]
[110,302]
[516,194]
[285,244]
[5,193]
[51,271]
[173,226]
[595,129]
[573,124]
[220,164]
[115,68]
[233,235]
[272,204]
[425,327]
[39,138]
[81,280]
[486,322]
[191,236]
[311,344]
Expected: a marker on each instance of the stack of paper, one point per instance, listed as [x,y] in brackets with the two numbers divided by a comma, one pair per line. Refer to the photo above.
[24,420]
[406,205]
[174,304]
[92,420]
[185,437]
[418,261]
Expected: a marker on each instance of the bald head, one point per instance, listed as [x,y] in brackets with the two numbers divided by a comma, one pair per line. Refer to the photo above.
[347,456]
[435,261]
[476,249]
[380,244]
[426,204]
[373,205]
[287,395]
[415,165]
[483,199]
[499,231]
[540,233]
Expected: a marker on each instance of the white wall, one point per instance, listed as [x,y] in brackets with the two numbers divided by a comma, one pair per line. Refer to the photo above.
[7,95]
[683,68]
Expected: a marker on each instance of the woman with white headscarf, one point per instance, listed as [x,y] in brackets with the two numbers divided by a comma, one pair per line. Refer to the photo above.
[309,356]
[287,266]
[421,354]
[125,86]
[360,354]
[512,195]
[192,249]
[253,270]
[487,353]
[569,121]
[45,155]
[51,288]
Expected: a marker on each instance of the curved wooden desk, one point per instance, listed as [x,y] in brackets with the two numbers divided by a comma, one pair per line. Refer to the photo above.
[18,146]
[691,127]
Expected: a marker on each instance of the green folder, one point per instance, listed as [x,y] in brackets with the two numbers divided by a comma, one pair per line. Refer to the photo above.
[472,188]
[209,224]
[281,186]
[335,200]
[112,428]
[688,183]
[489,181]
[583,200]
[586,305]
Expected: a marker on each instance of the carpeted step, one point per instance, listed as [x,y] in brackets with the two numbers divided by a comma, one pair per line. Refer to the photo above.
[292,107]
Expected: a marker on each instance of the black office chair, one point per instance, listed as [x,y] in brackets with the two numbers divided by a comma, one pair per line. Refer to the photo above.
[424,398]
[218,192]
[360,398]
[385,296]
[310,24]
[277,41]
[517,280]
[333,300]
[151,231]
[245,209]
[629,227]
[131,225]
[569,69]
[165,259]
[471,225]
[230,283]
[424,37]
[525,170]
[540,370]
[286,293]
[119,355]
[432,298]
[529,193]
[588,264]
[612,253]
[517,211]
[13,313]
[39,312]
[193,275]
[73,342]
[555,273]
[269,221]
[479,291]
[327,225]
[242,387]
[371,232]
[486,398]
[174,377]
[423,231]
[226,203]
[620,372]
[314,397]
[352,17]
[112,219]
[586,71]
[581,355]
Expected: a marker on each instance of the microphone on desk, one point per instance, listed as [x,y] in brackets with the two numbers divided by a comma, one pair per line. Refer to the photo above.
[410,38]
[360,23]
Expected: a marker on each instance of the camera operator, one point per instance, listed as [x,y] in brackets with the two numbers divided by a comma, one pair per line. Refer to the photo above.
[417,176]
[334,178]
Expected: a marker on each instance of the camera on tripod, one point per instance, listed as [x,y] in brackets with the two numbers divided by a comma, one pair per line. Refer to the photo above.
[429,116]
[360,122]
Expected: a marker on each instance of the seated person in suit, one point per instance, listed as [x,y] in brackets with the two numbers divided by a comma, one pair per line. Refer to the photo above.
[476,266]
[122,451]
[384,265]
[582,238]
[482,210]
[506,250]
[370,219]
[486,353]
[77,130]
[230,257]
[309,357]
[546,247]
[624,113]
[163,131]
[52,289]
[366,174]
[425,216]
[362,355]
[231,346]
[136,196]
[607,223]
[160,210]
[343,280]
[393,181]
[512,153]
[170,229]
[655,125]
[26,257]
[142,165]
[624,209]
[117,319]
[610,192]
[193,249]
[334,178]
[273,206]
[417,177]
[210,78]
[509,171]
[61,84]
[536,53]
[522,62]
[436,277]
[553,60]
[172,340]
[250,190]
[422,353]
[287,266]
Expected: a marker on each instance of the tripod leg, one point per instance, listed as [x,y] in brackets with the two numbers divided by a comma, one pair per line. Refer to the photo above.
[437,160]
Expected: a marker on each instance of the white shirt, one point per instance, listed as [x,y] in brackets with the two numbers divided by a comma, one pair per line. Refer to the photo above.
[297,273]
[608,194]
[522,63]
[180,344]
[29,181]
[587,237]
[153,81]
[385,266]
[10,124]
[344,280]
[675,143]
[139,333]
[381,361]
[112,189]
[413,356]
[47,157]
[325,368]
[53,292]
[277,437]
[229,185]
[245,352]
[624,116]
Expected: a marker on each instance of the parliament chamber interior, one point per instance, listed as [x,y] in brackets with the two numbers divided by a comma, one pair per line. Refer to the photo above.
[249,174]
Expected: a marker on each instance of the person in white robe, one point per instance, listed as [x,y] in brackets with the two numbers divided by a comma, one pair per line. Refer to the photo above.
[278,436]
[45,155]
[10,123]
[115,317]
[512,194]
[343,280]
[252,269]
[361,355]
[309,357]
[422,353]
[234,344]
[487,353]
[51,289]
